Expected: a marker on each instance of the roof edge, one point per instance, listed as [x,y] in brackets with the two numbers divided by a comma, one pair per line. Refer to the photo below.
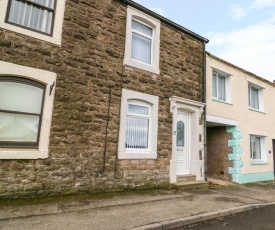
[240,69]
[163,19]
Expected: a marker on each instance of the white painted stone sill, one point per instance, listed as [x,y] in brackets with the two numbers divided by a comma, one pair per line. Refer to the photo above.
[256,110]
[225,102]
[258,163]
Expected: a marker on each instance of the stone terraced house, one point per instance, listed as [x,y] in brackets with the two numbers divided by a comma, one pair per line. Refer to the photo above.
[240,123]
[97,96]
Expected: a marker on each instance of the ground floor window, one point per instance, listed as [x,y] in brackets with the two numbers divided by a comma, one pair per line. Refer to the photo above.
[21,110]
[257,148]
[26,103]
[138,125]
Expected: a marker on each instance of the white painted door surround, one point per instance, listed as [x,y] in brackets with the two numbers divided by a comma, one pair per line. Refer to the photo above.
[185,156]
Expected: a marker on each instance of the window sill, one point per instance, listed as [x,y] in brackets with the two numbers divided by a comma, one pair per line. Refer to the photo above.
[256,110]
[225,102]
[258,163]
[137,155]
[8,154]
[141,66]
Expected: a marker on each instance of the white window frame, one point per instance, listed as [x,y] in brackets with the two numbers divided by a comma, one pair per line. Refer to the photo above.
[56,36]
[146,117]
[44,77]
[142,99]
[134,14]
[262,147]
[227,83]
[260,97]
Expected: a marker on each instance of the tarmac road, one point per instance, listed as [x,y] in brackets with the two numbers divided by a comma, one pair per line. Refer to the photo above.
[256,219]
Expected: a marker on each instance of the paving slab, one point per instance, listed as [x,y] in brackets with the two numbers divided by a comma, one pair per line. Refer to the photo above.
[143,210]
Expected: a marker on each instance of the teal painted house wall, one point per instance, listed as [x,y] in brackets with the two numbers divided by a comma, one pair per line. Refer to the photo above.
[236,157]
[237,151]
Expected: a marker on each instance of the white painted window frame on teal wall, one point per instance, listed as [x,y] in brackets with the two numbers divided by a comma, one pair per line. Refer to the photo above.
[55,37]
[150,22]
[262,149]
[141,99]
[48,79]
[260,97]
[216,89]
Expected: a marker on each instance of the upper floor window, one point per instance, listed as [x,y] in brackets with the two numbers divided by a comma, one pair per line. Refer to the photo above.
[20,116]
[255,97]
[142,37]
[41,19]
[221,88]
[142,41]
[138,126]
[37,15]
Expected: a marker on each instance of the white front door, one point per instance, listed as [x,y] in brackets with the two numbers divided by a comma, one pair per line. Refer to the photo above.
[182,144]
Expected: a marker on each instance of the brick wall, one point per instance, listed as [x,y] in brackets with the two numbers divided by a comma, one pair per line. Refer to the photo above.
[90,63]
[217,153]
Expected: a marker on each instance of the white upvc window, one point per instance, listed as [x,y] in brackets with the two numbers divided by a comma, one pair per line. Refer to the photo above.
[138,126]
[221,89]
[37,15]
[20,116]
[142,41]
[255,97]
[25,121]
[41,19]
[257,148]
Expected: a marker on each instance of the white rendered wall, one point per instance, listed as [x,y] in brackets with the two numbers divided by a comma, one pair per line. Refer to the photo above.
[250,122]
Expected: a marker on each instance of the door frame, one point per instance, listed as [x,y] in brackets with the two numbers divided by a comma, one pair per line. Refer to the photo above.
[273,151]
[195,110]
[188,141]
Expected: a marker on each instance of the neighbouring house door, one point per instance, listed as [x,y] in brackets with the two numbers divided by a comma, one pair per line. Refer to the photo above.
[273,145]
[182,144]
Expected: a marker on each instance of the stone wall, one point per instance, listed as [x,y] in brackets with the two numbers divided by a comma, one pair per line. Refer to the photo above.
[90,71]
[217,153]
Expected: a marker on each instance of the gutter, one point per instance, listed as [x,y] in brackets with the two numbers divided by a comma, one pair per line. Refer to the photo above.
[205,107]
[163,19]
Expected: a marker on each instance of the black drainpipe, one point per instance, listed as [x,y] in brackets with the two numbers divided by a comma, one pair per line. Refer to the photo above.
[204,100]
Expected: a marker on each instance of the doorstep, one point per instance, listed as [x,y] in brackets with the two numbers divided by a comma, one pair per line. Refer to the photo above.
[191,185]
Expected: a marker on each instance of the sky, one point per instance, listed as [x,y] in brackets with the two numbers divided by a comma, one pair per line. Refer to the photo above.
[241,32]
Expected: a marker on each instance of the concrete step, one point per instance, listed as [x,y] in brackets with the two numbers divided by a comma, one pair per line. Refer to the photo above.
[219,182]
[191,185]
[185,178]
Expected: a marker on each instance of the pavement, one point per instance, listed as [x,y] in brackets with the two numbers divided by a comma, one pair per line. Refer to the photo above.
[139,210]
